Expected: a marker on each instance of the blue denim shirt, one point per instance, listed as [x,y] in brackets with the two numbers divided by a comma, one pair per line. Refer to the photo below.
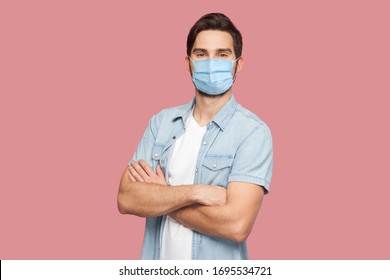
[237,146]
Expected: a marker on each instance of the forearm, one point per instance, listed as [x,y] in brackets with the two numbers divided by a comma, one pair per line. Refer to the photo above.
[150,200]
[222,221]
[233,220]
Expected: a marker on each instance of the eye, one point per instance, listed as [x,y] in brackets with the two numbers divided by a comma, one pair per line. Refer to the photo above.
[223,55]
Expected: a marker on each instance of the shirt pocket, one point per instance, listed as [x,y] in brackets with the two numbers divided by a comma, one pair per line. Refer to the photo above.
[216,170]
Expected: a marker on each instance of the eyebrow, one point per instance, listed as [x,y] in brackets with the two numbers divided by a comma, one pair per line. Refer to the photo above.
[218,50]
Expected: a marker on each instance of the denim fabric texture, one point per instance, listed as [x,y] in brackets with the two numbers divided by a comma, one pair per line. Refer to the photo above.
[237,146]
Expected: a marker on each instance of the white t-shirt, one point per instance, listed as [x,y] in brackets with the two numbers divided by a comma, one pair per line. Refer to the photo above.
[177,239]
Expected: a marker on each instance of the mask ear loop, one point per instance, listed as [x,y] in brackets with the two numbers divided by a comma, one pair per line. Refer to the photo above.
[235,70]
[192,74]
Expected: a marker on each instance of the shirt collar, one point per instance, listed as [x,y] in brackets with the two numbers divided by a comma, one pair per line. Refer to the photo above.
[221,119]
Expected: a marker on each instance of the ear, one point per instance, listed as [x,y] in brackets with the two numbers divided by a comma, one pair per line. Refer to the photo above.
[240,64]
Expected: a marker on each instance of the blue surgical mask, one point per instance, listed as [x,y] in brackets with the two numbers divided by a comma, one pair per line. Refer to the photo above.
[213,76]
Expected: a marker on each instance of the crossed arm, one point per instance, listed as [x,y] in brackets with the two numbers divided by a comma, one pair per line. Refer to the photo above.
[207,209]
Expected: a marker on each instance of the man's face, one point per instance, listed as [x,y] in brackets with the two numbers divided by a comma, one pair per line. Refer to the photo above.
[214,44]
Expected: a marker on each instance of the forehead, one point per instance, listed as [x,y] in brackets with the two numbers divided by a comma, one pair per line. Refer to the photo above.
[213,39]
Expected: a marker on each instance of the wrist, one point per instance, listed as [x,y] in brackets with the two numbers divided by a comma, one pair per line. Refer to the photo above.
[196,193]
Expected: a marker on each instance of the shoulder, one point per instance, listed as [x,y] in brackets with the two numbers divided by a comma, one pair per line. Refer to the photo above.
[167,115]
[246,122]
[171,112]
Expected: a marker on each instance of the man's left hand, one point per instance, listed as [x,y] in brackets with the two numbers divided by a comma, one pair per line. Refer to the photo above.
[142,172]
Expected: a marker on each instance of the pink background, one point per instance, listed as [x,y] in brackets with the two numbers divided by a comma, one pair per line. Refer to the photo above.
[80,79]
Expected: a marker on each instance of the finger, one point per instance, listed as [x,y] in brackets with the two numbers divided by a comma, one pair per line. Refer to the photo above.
[140,170]
[146,167]
[131,178]
[135,174]
[160,173]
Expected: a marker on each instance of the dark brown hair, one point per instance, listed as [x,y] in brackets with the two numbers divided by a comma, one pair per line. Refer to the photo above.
[215,21]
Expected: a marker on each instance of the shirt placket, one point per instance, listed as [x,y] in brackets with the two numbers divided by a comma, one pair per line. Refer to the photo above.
[164,160]
[208,138]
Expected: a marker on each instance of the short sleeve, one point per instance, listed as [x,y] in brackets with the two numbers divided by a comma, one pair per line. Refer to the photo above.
[145,147]
[253,162]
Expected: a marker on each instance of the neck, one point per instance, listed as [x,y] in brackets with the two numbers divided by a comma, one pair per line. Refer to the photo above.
[207,107]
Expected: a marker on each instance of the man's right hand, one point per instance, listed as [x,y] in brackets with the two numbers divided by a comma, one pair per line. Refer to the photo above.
[210,195]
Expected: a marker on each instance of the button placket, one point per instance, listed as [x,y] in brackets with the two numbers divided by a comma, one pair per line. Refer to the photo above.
[208,138]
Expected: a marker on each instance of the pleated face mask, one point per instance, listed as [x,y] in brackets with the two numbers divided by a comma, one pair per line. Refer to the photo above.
[213,76]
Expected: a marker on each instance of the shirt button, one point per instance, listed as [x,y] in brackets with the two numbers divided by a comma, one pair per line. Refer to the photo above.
[196,169]
[156,155]
[174,137]
[204,143]
[214,165]
[210,124]
[162,161]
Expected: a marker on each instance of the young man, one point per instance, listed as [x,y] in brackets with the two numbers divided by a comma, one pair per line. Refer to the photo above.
[201,170]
